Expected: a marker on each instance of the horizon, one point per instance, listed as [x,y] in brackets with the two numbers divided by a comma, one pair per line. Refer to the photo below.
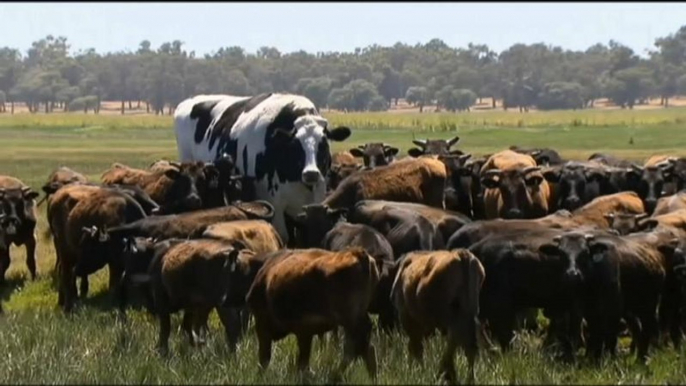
[115,27]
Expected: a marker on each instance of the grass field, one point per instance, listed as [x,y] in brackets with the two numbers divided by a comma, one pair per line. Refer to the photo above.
[38,344]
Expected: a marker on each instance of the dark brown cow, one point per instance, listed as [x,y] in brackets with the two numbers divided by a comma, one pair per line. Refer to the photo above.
[458,188]
[649,183]
[192,224]
[576,184]
[375,154]
[405,229]
[612,277]
[515,187]
[342,158]
[446,222]
[79,217]
[18,203]
[310,292]
[440,290]
[434,147]
[542,156]
[420,180]
[60,177]
[196,276]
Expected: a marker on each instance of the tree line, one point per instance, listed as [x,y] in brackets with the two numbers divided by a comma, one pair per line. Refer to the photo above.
[49,77]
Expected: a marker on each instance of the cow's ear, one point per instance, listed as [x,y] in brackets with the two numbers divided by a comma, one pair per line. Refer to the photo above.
[30,195]
[595,175]
[338,134]
[172,173]
[634,173]
[391,151]
[415,152]
[356,152]
[552,175]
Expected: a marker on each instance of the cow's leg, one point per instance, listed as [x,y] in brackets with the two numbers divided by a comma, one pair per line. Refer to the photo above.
[304,350]
[363,346]
[83,287]
[635,330]
[201,316]
[264,339]
[467,334]
[4,263]
[231,320]
[30,245]
[165,330]
[649,330]
[502,325]
[187,326]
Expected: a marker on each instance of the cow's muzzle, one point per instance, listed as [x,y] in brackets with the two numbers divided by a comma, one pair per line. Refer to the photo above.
[311,177]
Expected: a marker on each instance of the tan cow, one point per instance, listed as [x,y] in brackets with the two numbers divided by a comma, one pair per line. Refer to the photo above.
[515,187]
[440,290]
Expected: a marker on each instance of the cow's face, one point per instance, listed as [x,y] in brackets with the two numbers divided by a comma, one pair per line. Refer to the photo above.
[582,257]
[516,186]
[679,263]
[625,223]
[648,182]
[314,222]
[434,147]
[97,249]
[307,146]
[460,180]
[674,171]
[189,185]
[17,205]
[572,180]
[375,154]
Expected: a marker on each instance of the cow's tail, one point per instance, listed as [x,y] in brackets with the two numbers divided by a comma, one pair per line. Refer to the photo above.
[474,275]
[402,264]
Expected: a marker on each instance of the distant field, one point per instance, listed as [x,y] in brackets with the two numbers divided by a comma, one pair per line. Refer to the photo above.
[40,345]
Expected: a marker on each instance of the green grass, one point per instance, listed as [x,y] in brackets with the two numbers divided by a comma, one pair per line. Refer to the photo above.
[38,344]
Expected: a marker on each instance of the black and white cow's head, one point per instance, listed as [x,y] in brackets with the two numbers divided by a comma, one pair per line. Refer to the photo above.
[302,150]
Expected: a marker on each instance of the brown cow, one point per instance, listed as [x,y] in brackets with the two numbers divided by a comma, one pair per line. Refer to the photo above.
[515,187]
[307,292]
[669,204]
[375,154]
[339,172]
[175,190]
[343,158]
[440,290]
[420,180]
[18,203]
[196,276]
[594,212]
[79,216]
[258,236]
[60,177]
[625,223]
[676,219]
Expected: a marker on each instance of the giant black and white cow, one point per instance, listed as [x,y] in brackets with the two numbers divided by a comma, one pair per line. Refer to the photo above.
[280,140]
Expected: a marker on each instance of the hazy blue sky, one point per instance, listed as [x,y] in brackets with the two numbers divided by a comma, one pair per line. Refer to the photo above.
[205,27]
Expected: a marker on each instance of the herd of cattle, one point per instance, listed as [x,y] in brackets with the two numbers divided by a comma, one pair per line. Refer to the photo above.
[259,219]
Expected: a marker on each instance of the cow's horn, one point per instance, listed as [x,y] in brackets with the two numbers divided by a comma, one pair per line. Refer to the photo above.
[492,172]
[420,142]
[589,237]
[557,238]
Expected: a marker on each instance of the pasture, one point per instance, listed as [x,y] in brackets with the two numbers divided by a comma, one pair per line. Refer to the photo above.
[38,344]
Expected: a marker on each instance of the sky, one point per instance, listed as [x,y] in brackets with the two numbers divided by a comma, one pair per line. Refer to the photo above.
[322,27]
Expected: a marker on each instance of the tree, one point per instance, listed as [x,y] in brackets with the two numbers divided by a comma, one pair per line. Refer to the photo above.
[464,99]
[417,96]
[560,95]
